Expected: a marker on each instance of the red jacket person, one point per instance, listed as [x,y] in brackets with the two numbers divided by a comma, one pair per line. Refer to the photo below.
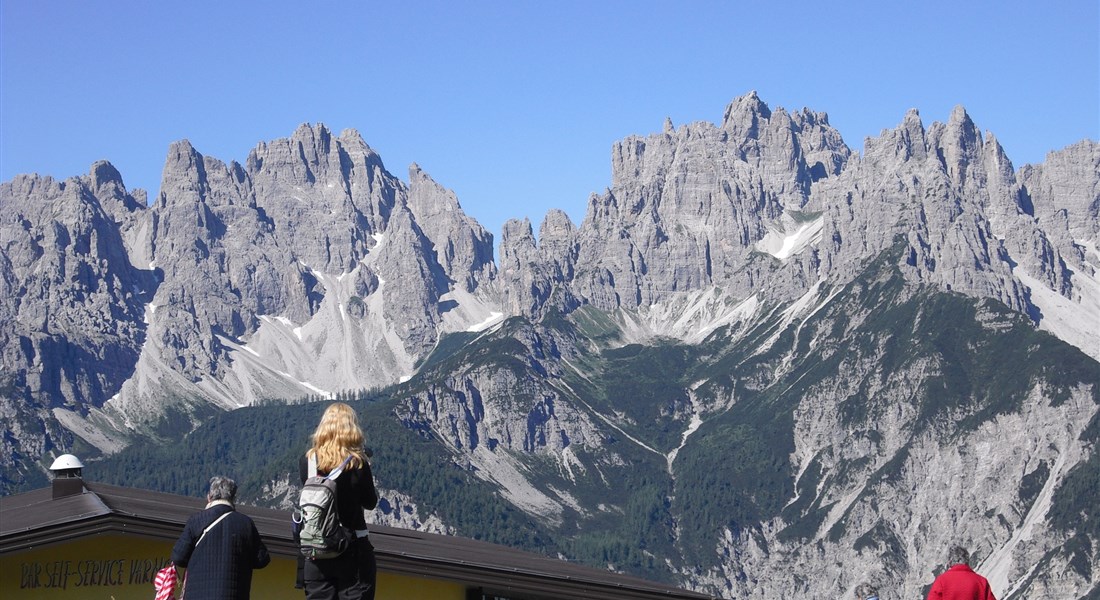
[960,582]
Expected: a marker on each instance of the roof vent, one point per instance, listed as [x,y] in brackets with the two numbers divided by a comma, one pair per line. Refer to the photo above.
[67,470]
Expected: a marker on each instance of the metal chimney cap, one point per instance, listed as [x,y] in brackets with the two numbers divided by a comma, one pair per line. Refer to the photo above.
[66,462]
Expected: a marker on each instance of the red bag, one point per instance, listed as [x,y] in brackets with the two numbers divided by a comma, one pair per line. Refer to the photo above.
[165,583]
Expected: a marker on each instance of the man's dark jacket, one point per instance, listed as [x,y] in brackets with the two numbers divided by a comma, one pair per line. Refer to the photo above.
[220,568]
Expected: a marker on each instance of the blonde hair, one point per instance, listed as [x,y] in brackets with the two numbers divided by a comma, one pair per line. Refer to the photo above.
[337,435]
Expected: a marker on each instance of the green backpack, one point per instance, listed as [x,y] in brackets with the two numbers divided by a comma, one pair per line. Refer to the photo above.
[316,519]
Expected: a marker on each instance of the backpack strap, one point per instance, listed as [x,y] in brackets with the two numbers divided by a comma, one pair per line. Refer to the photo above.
[211,526]
[312,472]
[336,472]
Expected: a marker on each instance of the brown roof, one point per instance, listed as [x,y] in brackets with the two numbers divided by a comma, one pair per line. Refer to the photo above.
[35,518]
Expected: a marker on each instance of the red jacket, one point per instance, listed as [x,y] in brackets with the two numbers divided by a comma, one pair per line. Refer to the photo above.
[960,582]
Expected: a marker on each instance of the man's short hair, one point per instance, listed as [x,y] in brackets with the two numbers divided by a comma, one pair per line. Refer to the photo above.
[958,555]
[222,488]
[866,590]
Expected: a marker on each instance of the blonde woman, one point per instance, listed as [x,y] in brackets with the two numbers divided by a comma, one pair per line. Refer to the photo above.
[353,574]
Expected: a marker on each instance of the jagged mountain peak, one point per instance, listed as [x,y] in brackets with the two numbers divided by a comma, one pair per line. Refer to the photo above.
[960,119]
[463,247]
[812,117]
[743,115]
[181,158]
[426,194]
[556,225]
[960,144]
[351,135]
[124,206]
[912,122]
[315,135]
[103,173]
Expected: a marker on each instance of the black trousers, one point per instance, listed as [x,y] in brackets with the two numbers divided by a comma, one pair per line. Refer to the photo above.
[351,576]
[368,567]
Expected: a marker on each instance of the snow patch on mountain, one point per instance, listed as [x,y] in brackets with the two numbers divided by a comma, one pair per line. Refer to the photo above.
[150,311]
[493,318]
[688,316]
[471,312]
[568,461]
[792,237]
[693,426]
[286,324]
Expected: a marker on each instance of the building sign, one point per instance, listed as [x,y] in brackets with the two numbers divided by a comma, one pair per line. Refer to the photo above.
[90,572]
[96,566]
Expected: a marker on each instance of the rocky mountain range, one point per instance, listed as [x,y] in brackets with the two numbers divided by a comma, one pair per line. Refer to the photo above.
[763,364]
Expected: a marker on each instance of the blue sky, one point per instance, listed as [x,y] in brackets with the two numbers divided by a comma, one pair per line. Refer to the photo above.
[515,105]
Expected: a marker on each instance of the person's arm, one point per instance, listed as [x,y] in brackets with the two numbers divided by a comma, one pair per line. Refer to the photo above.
[303,468]
[261,557]
[368,494]
[936,593]
[185,545]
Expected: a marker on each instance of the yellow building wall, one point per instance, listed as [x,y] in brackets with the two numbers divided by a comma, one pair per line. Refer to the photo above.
[120,567]
[400,587]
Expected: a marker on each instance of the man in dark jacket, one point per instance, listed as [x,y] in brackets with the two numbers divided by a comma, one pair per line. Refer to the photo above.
[960,582]
[219,547]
